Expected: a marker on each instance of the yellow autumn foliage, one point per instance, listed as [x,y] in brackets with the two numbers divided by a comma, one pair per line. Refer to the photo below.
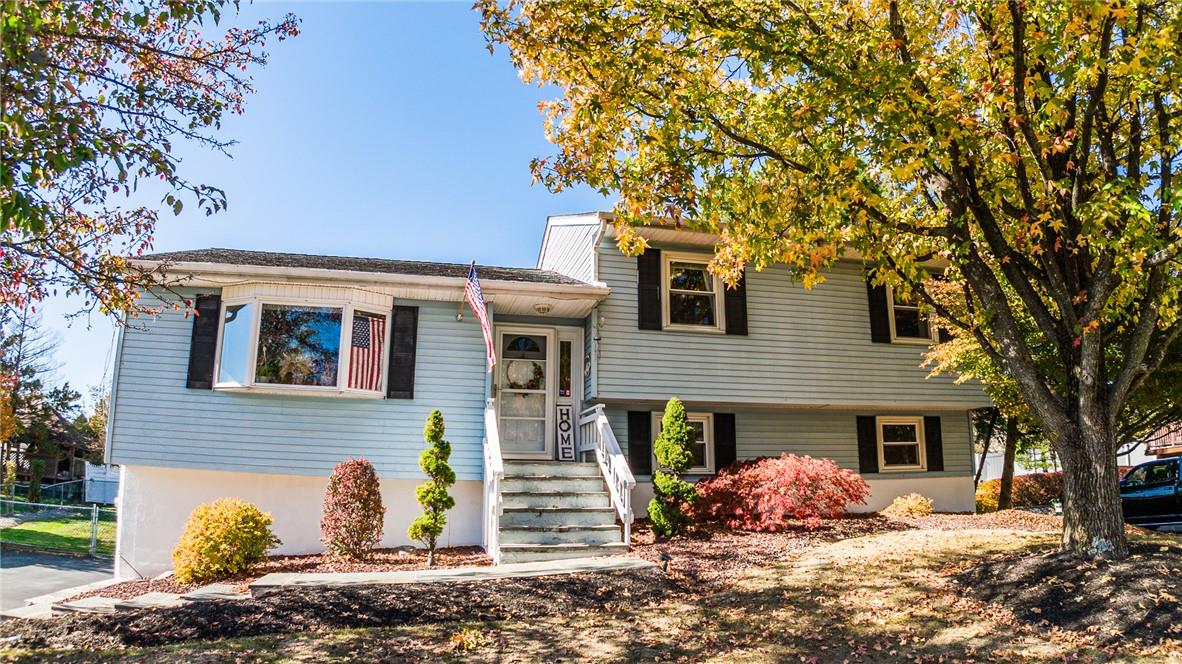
[221,539]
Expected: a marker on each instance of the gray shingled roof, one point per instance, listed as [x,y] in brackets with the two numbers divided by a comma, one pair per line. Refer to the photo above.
[375,265]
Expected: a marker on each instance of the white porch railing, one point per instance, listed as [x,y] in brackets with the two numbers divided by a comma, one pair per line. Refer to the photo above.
[494,472]
[595,435]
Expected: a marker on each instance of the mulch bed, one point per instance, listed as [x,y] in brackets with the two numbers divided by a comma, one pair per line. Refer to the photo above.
[715,556]
[1139,598]
[381,560]
[312,609]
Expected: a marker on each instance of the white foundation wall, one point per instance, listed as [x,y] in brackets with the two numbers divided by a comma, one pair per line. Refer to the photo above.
[154,504]
[948,494]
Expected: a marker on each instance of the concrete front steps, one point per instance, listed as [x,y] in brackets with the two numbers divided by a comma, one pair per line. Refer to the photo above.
[553,510]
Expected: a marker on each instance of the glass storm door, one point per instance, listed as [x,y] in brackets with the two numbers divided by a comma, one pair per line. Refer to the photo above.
[525,394]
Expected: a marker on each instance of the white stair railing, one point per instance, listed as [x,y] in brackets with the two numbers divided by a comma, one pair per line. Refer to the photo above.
[595,435]
[494,472]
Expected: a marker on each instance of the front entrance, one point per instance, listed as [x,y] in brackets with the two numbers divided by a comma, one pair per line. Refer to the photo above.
[535,387]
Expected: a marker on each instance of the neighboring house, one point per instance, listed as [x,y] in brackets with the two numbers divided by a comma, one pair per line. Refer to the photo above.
[1165,443]
[49,437]
[298,362]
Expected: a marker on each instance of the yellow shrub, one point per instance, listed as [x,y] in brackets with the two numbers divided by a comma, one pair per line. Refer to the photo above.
[911,505]
[988,493]
[222,538]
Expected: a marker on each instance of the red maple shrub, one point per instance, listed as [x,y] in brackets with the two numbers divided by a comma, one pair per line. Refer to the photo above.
[353,511]
[769,493]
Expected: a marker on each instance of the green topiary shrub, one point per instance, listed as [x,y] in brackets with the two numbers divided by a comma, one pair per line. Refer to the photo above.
[668,511]
[353,511]
[909,506]
[433,494]
[222,538]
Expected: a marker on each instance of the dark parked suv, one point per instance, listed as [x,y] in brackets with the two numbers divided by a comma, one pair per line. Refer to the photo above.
[1151,494]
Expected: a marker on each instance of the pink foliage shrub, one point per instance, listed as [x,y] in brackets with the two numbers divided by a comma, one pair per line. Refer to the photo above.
[768,493]
[353,511]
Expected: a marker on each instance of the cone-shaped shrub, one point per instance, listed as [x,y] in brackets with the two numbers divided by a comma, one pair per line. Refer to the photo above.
[433,494]
[222,538]
[353,511]
[668,511]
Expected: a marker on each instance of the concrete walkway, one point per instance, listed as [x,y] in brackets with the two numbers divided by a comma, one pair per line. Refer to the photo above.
[276,581]
[24,575]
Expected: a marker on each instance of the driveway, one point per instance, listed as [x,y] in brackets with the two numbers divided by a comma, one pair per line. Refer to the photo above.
[24,575]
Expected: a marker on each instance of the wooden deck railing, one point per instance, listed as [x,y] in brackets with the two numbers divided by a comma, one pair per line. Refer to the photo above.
[595,435]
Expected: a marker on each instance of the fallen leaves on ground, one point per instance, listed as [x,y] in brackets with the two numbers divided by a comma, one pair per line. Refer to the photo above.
[1135,599]
[714,555]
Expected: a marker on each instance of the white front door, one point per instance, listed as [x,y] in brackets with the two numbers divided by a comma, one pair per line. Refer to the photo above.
[526,391]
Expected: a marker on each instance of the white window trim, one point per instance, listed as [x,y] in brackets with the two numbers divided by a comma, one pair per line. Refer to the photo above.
[708,428]
[917,422]
[719,327]
[933,333]
[347,308]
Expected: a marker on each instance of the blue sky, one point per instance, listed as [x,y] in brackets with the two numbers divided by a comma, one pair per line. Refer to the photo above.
[385,129]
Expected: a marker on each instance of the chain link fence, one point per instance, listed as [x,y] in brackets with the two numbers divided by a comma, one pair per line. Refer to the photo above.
[75,529]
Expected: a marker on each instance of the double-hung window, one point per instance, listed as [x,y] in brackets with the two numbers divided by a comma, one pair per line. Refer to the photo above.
[901,444]
[275,344]
[692,296]
[908,323]
[702,446]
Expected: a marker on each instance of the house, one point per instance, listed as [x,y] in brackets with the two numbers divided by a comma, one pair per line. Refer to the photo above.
[47,440]
[297,362]
[1166,442]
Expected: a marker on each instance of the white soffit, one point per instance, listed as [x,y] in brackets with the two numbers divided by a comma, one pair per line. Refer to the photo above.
[509,297]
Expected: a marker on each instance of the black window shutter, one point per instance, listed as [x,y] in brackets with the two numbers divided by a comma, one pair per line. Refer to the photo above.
[204,342]
[944,335]
[640,442]
[648,295]
[725,443]
[934,440]
[880,324]
[736,307]
[867,444]
[404,326]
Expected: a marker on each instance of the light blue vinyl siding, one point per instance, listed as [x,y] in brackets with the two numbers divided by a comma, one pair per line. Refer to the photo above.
[804,348]
[157,421]
[829,434]
[569,249]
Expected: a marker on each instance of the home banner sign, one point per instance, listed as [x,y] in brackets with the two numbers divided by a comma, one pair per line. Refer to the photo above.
[566,432]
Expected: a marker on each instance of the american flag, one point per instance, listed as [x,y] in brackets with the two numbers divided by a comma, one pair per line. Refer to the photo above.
[365,358]
[476,301]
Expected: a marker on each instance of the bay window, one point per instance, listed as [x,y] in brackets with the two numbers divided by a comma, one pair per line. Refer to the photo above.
[322,347]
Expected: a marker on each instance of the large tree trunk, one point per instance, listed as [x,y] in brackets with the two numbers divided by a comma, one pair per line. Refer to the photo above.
[1093,526]
[1005,499]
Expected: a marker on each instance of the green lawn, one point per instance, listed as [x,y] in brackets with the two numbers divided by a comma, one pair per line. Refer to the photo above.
[65,534]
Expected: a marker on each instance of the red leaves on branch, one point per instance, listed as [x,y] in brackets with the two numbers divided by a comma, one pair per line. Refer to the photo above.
[97,98]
